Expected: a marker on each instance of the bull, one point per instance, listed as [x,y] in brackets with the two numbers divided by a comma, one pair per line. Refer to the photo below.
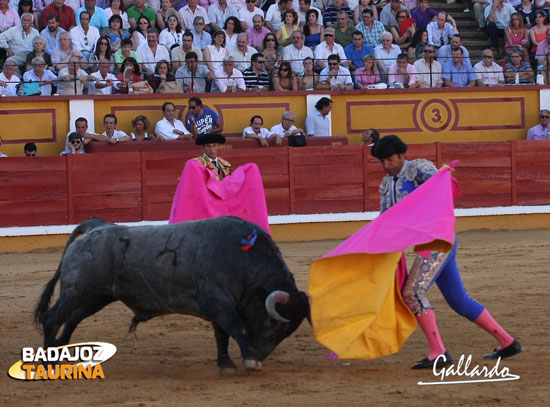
[197,268]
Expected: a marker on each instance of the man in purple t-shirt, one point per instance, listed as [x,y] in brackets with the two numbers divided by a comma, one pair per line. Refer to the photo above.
[423,14]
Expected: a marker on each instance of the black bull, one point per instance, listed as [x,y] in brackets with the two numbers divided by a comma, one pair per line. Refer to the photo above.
[195,268]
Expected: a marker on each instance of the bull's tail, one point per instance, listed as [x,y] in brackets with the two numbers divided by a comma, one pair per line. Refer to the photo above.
[47,292]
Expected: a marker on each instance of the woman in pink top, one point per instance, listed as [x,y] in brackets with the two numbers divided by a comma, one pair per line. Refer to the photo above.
[368,74]
[517,36]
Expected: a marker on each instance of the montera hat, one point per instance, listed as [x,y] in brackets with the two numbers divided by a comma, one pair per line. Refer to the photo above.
[210,138]
[388,146]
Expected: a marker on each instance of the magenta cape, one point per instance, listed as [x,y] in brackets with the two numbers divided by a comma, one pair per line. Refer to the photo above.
[356,305]
[201,195]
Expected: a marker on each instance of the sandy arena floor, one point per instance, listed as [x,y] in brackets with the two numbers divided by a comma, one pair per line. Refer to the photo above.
[173,360]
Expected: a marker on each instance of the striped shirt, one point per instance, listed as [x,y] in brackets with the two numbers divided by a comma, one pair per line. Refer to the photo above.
[254,81]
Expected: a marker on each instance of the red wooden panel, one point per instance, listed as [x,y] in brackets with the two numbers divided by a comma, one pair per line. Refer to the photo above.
[110,215]
[329,205]
[33,178]
[33,164]
[107,201]
[25,193]
[534,192]
[31,213]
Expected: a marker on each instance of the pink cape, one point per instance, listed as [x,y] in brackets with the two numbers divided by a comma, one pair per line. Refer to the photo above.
[201,195]
[356,306]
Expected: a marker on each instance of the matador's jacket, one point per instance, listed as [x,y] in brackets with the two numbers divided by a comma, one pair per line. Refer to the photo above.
[224,167]
[413,174]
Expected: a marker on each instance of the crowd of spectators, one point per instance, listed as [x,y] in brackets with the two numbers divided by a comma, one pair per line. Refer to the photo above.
[73,47]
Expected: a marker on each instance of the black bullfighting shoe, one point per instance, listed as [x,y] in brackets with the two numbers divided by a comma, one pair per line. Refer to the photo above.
[513,349]
[429,363]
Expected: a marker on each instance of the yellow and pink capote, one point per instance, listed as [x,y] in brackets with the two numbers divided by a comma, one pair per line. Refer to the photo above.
[356,306]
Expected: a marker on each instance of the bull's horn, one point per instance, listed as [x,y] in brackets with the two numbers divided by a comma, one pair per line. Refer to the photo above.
[276,297]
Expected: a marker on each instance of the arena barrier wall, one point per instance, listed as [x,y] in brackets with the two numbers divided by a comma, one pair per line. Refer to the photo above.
[416,115]
[139,185]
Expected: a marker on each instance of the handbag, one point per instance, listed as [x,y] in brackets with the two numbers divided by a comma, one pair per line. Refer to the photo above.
[171,87]
[31,89]
[142,87]
[297,140]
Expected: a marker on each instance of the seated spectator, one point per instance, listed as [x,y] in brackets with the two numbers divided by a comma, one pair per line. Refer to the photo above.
[544,70]
[166,10]
[98,19]
[44,77]
[371,29]
[66,14]
[61,55]
[386,55]
[26,6]
[247,13]
[116,9]
[328,47]
[517,36]
[125,51]
[71,79]
[313,29]
[200,37]
[286,127]
[102,51]
[141,124]
[457,72]
[479,7]
[255,76]
[540,131]
[370,136]
[130,75]
[498,16]
[216,52]
[193,75]
[488,72]
[402,72]
[139,35]
[81,128]
[344,29]
[284,79]
[39,50]
[137,11]
[255,130]
[103,80]
[84,36]
[543,48]
[111,134]
[526,9]
[242,53]
[274,15]
[257,32]
[444,53]
[115,32]
[297,52]
[272,52]
[428,70]
[228,78]
[232,28]
[170,128]
[153,52]
[190,11]
[418,42]
[52,33]
[362,5]
[423,14]
[219,11]
[178,53]
[368,73]
[330,16]
[16,41]
[162,74]
[518,72]
[441,31]
[76,144]
[8,16]
[356,51]
[308,79]
[335,75]
[30,150]
[318,123]
[290,19]
[403,33]
[538,32]
[201,120]
[8,80]
[388,15]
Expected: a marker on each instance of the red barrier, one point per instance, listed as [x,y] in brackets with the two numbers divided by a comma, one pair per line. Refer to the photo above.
[139,185]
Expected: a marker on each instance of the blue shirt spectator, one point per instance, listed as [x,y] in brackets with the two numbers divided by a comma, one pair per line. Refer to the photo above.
[357,50]
[98,20]
[458,73]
